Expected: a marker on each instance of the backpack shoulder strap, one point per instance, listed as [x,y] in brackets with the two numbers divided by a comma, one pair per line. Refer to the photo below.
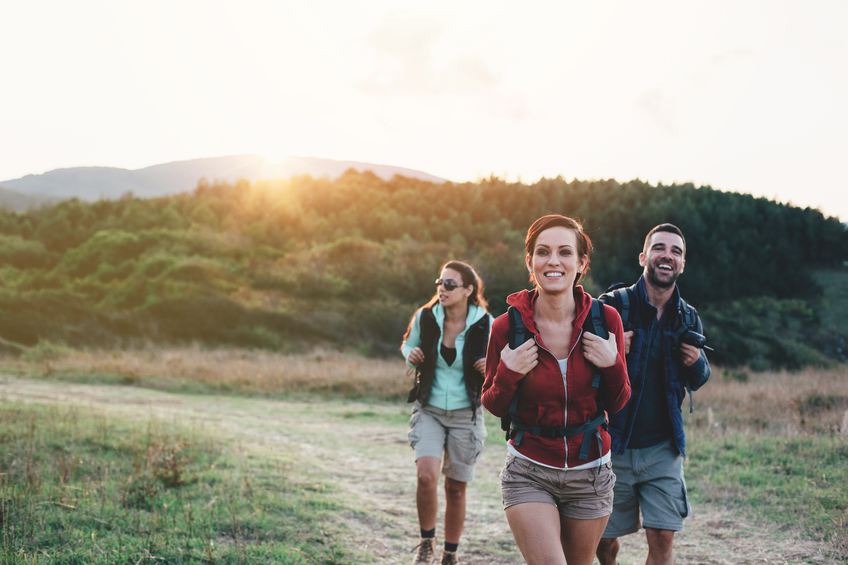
[596,321]
[518,334]
[517,329]
[688,315]
[623,299]
[686,320]
[627,298]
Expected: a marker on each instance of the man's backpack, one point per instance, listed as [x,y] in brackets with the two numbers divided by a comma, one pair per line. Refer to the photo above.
[595,323]
[623,298]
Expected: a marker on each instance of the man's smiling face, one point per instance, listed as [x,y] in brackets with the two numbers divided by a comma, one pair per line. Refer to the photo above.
[663,259]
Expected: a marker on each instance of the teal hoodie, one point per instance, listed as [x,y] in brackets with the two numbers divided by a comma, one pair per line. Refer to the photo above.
[448,390]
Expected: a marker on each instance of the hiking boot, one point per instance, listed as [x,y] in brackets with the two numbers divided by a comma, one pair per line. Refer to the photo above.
[425,552]
[449,558]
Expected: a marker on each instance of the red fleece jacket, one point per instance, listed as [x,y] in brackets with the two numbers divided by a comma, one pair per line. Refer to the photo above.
[545,398]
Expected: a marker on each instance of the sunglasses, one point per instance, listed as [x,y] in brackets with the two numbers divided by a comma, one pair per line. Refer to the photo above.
[448,284]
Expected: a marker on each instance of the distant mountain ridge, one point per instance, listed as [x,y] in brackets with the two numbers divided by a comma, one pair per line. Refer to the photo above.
[93,183]
[21,202]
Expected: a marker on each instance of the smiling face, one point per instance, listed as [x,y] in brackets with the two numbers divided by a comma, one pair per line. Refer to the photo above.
[663,259]
[555,261]
[448,298]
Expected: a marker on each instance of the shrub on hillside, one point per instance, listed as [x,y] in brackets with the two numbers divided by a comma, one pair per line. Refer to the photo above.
[25,254]
[765,333]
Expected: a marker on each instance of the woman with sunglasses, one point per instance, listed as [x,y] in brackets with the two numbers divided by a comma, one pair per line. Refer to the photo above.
[446,344]
[557,481]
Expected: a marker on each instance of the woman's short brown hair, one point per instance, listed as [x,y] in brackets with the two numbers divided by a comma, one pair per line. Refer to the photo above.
[584,243]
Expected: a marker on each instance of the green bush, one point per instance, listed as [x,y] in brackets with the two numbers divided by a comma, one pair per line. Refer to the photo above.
[766,333]
[24,254]
[45,351]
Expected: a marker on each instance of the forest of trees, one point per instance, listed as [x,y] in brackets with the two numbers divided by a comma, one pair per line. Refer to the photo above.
[291,264]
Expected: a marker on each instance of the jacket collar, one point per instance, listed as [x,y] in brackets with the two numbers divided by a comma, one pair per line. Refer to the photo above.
[525,301]
[645,306]
[474,314]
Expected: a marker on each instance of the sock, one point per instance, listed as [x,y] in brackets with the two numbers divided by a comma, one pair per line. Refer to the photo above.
[451,546]
[428,534]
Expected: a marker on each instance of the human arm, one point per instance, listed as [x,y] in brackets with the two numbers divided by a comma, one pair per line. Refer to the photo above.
[501,380]
[411,347]
[609,299]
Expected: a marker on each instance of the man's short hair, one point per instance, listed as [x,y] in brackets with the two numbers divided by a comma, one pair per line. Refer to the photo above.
[671,228]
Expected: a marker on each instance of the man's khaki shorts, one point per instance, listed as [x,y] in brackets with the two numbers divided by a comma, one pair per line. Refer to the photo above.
[650,479]
[435,432]
[584,494]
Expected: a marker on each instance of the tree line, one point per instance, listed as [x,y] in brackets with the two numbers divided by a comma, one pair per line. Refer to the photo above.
[290,263]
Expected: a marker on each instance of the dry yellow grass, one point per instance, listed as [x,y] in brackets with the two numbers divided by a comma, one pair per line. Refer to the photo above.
[252,372]
[811,400]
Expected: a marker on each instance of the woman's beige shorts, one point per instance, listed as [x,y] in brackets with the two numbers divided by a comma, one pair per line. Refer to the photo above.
[583,494]
[434,432]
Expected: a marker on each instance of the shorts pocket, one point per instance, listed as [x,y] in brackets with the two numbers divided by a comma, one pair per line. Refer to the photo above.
[685,507]
[505,474]
[414,433]
[604,480]
[478,436]
[469,448]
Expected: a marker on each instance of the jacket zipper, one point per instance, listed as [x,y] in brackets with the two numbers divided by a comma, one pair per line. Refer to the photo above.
[564,385]
[565,390]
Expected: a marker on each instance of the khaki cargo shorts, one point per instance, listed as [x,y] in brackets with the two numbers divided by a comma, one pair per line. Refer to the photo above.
[650,479]
[434,432]
[583,494]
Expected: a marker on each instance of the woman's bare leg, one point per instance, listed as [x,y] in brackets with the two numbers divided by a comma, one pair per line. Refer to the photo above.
[580,538]
[427,493]
[454,509]
[536,529]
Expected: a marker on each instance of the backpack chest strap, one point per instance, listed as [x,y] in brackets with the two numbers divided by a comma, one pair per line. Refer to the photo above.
[543,431]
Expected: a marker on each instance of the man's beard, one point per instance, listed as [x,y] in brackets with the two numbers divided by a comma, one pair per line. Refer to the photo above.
[659,283]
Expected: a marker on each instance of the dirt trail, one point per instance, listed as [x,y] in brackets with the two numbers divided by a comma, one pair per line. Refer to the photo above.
[362,449]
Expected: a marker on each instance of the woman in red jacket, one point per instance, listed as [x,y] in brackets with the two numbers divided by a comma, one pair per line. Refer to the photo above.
[557,500]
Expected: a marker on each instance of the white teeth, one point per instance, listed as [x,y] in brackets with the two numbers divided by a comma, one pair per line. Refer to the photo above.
[665,267]
[553,275]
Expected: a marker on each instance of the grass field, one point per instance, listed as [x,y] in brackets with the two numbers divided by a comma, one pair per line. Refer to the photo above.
[771,446]
[775,447]
[86,488]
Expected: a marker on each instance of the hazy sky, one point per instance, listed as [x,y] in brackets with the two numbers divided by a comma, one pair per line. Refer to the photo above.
[744,96]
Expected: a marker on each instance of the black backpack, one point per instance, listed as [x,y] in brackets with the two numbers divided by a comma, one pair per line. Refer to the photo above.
[623,298]
[595,323]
